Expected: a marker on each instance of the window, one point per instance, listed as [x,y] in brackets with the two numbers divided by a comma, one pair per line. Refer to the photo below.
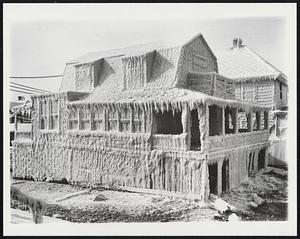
[168,122]
[215,120]
[21,98]
[73,119]
[137,121]
[125,120]
[112,121]
[84,119]
[53,123]
[44,117]
[280,90]
[97,120]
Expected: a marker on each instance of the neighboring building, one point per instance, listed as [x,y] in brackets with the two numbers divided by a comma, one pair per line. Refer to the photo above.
[256,79]
[151,117]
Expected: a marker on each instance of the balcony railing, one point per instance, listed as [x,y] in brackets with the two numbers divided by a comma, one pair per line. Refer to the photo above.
[170,142]
[229,141]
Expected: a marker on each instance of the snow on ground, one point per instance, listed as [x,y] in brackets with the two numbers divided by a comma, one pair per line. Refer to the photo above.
[75,204]
[18,216]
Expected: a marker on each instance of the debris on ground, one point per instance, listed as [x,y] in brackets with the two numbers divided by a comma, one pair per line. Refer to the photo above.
[263,197]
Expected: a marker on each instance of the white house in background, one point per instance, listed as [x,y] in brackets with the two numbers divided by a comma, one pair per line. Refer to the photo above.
[255,78]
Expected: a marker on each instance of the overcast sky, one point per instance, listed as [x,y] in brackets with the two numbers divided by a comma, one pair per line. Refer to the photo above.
[47,36]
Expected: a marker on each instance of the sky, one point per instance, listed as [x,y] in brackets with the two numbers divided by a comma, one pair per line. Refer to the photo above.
[46,38]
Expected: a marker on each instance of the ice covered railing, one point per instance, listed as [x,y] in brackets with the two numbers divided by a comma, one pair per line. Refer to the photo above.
[170,142]
[230,141]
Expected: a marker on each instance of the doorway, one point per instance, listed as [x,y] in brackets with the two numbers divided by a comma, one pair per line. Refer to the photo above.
[195,132]
[225,176]
[213,178]
[261,159]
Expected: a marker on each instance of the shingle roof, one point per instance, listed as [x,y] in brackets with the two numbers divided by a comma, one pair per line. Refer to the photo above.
[242,63]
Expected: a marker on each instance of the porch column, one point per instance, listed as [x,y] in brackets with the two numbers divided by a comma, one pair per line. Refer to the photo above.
[186,124]
[235,120]
[203,114]
[266,119]
[249,122]
[219,181]
[223,120]
[258,121]
[266,157]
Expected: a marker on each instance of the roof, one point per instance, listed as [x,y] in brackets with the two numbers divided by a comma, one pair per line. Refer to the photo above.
[174,97]
[127,51]
[242,64]
[138,49]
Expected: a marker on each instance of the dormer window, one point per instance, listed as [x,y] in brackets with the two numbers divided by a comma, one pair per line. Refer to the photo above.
[137,70]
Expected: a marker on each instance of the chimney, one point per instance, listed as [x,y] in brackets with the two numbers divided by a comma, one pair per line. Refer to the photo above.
[237,42]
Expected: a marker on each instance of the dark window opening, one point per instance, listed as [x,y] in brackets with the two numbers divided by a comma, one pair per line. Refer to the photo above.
[12,137]
[213,178]
[251,163]
[21,98]
[215,120]
[280,89]
[225,176]
[195,132]
[261,159]
[229,124]
[168,123]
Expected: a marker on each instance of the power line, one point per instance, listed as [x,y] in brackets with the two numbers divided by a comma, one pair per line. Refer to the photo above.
[23,88]
[25,92]
[30,77]
[28,86]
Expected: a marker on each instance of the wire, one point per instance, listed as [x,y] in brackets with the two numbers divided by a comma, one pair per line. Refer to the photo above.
[27,86]
[25,92]
[30,77]
[23,88]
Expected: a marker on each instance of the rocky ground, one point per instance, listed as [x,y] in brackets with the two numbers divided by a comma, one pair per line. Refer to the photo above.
[264,197]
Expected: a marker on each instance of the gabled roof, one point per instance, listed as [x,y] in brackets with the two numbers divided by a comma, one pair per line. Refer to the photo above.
[120,52]
[243,64]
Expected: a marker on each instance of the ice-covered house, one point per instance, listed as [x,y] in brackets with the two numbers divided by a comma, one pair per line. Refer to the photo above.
[256,79]
[152,117]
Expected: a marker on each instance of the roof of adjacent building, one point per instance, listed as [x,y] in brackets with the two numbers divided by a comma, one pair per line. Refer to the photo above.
[243,64]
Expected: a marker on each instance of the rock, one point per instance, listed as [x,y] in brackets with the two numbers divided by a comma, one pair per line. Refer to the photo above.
[258,200]
[49,179]
[213,197]
[233,218]
[252,204]
[100,197]
[57,216]
[222,206]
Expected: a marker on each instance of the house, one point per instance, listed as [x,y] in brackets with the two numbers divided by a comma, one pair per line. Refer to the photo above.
[256,79]
[152,116]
